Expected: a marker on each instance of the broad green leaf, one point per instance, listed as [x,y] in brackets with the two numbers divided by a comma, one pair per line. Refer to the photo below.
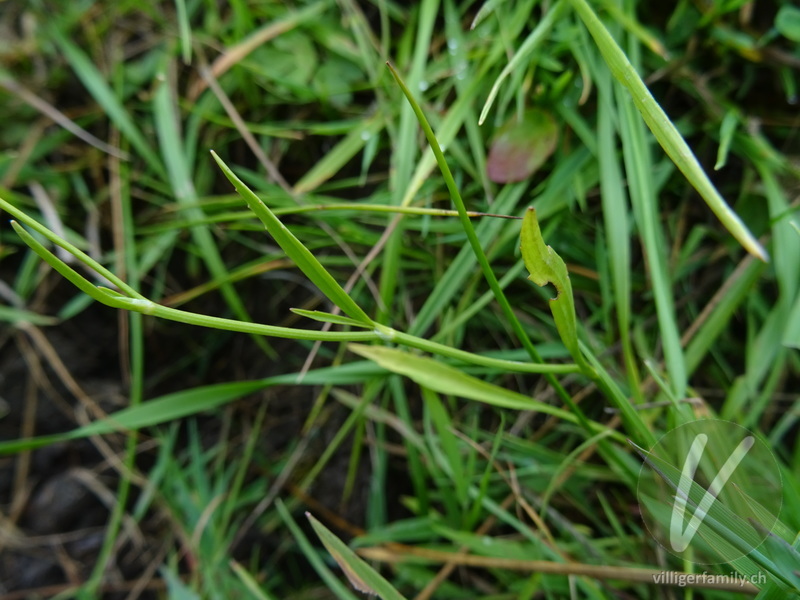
[545,266]
[439,377]
[787,22]
[521,146]
[295,249]
[361,576]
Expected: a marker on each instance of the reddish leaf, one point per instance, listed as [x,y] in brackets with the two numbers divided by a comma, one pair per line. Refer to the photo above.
[521,146]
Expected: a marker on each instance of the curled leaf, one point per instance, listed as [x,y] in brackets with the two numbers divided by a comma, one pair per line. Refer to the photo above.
[545,266]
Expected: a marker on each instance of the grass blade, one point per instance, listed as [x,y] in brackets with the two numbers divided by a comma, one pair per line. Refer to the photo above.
[474,242]
[180,177]
[313,555]
[616,219]
[529,45]
[638,166]
[105,96]
[192,401]
[665,132]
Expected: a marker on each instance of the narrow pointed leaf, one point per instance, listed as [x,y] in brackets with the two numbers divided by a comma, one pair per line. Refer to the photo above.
[295,250]
[326,317]
[445,379]
[191,401]
[145,306]
[361,576]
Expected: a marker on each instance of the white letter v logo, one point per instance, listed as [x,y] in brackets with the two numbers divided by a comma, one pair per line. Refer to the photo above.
[678,537]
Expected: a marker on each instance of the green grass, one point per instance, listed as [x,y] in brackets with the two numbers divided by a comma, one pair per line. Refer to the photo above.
[213,169]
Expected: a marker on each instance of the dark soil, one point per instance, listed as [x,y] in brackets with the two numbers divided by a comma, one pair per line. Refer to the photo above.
[58,498]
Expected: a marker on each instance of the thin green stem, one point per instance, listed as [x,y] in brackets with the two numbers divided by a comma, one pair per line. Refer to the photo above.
[472,237]
[148,307]
[476,359]
[77,253]
[494,284]
[145,306]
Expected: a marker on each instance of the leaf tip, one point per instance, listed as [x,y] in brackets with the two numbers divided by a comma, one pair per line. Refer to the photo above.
[218,160]
[759,252]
